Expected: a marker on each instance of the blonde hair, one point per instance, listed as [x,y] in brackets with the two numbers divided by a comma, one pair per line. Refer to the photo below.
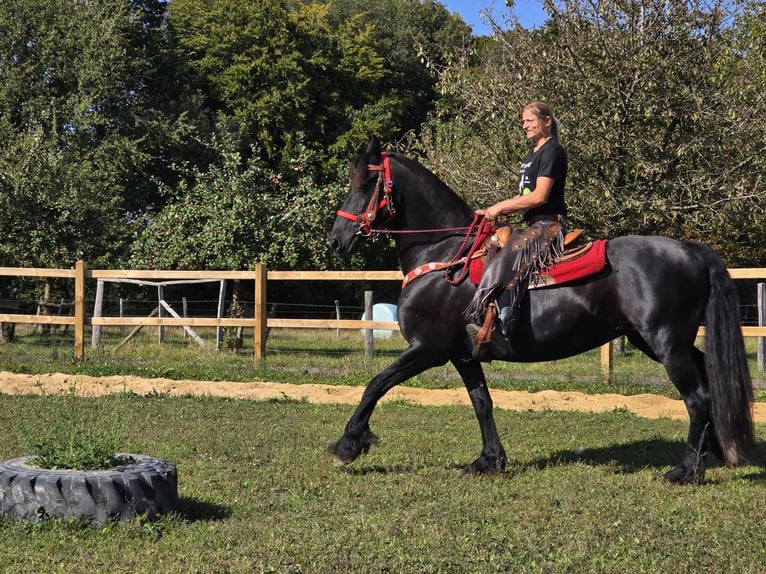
[543,110]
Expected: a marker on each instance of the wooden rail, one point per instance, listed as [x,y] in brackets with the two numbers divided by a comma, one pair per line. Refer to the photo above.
[259,322]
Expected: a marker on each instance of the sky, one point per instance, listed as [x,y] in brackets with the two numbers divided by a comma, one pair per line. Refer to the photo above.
[530,12]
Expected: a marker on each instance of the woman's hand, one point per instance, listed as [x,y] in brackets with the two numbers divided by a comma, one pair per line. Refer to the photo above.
[491,213]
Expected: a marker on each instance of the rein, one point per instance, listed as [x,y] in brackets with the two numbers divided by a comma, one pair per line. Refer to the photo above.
[483,229]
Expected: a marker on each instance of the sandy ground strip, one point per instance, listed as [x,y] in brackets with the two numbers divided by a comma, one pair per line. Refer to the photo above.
[645,405]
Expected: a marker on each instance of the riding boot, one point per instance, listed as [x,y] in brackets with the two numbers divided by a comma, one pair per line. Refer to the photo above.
[510,309]
[506,314]
[496,347]
[507,320]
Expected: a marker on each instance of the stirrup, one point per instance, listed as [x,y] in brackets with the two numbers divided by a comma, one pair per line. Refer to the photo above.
[488,343]
[484,336]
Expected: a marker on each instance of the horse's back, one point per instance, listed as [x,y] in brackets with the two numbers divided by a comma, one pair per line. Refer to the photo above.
[650,284]
[659,261]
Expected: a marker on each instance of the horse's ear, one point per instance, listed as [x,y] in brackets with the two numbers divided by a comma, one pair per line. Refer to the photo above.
[373,147]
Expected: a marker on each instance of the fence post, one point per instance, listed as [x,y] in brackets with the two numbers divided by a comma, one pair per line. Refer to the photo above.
[369,344]
[161,328]
[79,309]
[259,335]
[95,336]
[219,313]
[337,316]
[185,313]
[761,323]
[606,362]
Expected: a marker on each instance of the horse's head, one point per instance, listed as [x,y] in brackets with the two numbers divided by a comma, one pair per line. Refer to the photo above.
[369,203]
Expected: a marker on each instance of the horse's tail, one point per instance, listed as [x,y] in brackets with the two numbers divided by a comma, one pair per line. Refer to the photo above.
[728,374]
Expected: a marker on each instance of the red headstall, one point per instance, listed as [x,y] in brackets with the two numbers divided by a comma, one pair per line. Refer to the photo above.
[384,184]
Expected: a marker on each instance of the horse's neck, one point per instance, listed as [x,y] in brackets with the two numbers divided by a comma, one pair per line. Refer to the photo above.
[434,220]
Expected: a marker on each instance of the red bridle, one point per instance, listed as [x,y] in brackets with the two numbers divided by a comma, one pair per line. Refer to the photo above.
[384,183]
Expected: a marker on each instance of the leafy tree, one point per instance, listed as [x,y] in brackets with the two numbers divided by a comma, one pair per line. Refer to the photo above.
[240,212]
[280,68]
[78,136]
[411,36]
[662,110]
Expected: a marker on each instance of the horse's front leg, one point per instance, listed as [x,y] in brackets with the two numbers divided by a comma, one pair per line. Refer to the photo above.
[492,458]
[357,438]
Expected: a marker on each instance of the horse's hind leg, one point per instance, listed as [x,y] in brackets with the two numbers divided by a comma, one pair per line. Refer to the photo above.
[687,371]
[492,458]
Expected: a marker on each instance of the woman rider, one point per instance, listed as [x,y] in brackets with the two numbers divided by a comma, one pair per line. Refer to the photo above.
[495,306]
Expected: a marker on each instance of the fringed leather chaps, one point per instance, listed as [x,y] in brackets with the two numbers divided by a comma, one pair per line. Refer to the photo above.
[527,252]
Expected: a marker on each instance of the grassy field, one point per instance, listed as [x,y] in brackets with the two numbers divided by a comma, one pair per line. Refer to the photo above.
[582,492]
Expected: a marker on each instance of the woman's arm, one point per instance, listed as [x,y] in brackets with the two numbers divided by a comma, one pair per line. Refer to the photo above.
[539,196]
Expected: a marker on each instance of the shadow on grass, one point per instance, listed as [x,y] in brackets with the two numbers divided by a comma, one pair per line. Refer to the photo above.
[201,511]
[628,457]
[364,470]
[633,457]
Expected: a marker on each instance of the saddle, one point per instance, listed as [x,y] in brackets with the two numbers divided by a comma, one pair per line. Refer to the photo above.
[579,259]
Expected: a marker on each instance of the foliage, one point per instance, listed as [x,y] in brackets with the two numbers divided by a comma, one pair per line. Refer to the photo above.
[112,111]
[280,68]
[662,109]
[404,31]
[75,121]
[239,212]
[68,439]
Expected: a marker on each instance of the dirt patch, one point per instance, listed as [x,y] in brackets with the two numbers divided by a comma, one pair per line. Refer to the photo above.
[646,405]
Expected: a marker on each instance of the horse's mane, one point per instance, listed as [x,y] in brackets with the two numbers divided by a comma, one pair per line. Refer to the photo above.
[425,182]
[444,192]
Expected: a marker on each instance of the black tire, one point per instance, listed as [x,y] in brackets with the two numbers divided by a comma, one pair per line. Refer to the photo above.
[145,486]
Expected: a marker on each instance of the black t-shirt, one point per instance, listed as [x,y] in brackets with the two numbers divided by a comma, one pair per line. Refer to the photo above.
[549,161]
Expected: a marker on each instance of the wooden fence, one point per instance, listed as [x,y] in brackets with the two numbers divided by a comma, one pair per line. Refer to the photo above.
[259,322]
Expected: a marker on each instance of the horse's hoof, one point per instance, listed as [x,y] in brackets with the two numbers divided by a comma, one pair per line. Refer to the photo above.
[684,476]
[484,466]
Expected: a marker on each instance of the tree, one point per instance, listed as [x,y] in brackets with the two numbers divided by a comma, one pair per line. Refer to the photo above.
[280,68]
[79,137]
[240,212]
[645,93]
[405,32]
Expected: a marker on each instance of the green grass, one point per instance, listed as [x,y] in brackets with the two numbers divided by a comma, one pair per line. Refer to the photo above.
[582,493]
[71,440]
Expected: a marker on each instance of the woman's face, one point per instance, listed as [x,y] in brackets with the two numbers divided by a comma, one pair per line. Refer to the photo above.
[535,128]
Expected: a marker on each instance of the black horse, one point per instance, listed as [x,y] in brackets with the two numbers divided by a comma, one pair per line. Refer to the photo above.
[654,290]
